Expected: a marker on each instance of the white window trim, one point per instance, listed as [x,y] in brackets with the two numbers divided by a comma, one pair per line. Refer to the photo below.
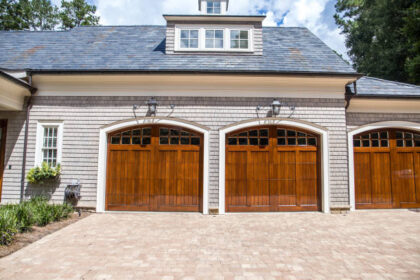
[40,139]
[202,38]
[213,1]
[214,38]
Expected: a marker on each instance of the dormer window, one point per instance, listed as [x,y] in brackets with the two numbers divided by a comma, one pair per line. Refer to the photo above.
[214,39]
[213,7]
[189,39]
[239,39]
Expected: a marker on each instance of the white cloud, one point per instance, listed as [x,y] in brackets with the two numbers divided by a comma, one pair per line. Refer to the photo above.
[308,13]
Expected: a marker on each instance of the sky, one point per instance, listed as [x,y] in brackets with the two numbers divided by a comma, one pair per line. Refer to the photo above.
[316,15]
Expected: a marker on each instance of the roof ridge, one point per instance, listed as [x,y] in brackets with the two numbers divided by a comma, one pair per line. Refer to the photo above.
[390,81]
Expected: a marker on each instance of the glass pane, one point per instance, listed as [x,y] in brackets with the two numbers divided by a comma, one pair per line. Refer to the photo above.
[185,133]
[291,133]
[263,132]
[194,34]
[301,134]
[209,34]
[234,34]
[243,134]
[356,143]
[366,143]
[384,134]
[147,141]
[163,131]
[253,141]
[54,143]
[232,141]
[234,44]
[126,133]
[174,132]
[243,141]
[281,141]
[125,140]
[115,139]
[312,141]
[409,143]
[374,135]
[147,131]
[184,34]
[408,135]
[218,34]
[366,136]
[375,143]
[417,142]
[263,141]
[136,132]
[302,141]
[174,140]
[218,43]
[164,140]
[384,143]
[291,141]
[253,133]
[400,143]
[195,141]
[399,134]
[216,10]
[417,136]
[136,141]
[244,44]
[244,35]
[185,140]
[184,43]
[281,132]
[209,43]
[194,43]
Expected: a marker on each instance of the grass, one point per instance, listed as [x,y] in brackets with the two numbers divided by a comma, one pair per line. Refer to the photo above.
[22,217]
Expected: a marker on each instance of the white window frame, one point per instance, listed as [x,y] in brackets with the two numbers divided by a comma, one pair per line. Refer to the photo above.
[214,38]
[202,37]
[41,125]
[240,30]
[189,38]
[213,2]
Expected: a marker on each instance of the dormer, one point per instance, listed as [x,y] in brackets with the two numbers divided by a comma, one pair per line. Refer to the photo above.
[213,7]
[214,32]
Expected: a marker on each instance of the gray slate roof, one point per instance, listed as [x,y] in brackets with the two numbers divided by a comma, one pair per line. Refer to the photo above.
[142,48]
[374,87]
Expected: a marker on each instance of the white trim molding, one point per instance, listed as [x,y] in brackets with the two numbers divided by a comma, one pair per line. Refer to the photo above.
[364,128]
[321,131]
[105,130]
[40,139]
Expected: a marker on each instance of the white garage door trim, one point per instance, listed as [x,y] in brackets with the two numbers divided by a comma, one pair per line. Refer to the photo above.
[321,131]
[363,128]
[100,200]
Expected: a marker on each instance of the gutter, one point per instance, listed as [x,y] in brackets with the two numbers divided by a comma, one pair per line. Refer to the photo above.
[16,81]
[25,141]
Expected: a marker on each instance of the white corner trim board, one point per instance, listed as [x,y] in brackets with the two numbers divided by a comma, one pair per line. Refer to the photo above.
[322,132]
[368,127]
[105,130]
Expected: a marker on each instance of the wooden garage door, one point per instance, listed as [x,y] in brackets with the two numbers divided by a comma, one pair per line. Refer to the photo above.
[154,168]
[387,169]
[272,169]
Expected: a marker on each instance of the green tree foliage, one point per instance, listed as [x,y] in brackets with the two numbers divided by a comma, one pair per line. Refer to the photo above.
[77,13]
[382,37]
[43,15]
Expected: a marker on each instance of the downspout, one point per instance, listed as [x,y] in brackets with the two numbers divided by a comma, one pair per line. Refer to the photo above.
[349,94]
[25,141]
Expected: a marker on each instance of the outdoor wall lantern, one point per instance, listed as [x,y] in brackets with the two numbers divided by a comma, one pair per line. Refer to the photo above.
[152,104]
[276,105]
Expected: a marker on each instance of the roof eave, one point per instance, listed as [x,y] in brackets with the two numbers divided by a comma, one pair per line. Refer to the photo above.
[225,18]
[18,82]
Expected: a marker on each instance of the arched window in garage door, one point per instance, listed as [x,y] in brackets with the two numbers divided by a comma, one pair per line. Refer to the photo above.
[387,169]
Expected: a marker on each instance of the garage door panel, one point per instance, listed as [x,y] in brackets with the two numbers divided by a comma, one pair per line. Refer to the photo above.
[380,178]
[236,178]
[258,176]
[417,176]
[308,178]
[403,177]
[284,178]
[362,176]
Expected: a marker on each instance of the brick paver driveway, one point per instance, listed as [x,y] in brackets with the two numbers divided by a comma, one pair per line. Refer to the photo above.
[361,245]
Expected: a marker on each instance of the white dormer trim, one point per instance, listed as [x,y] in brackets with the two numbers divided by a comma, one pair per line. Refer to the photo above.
[202,37]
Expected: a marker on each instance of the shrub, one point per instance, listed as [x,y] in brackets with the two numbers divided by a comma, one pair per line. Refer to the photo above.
[40,175]
[21,217]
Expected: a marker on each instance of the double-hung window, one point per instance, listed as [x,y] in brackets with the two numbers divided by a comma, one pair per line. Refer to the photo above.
[239,39]
[189,39]
[214,39]
[49,143]
[213,7]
